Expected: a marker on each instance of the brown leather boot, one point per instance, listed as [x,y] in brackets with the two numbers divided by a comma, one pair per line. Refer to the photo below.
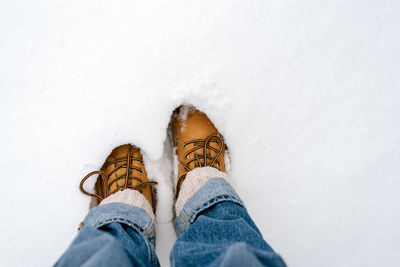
[198,143]
[123,168]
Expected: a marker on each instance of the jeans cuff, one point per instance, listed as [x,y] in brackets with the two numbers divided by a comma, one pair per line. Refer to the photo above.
[132,216]
[214,191]
[130,197]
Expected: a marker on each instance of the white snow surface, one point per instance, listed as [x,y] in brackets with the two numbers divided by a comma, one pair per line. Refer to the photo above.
[306,94]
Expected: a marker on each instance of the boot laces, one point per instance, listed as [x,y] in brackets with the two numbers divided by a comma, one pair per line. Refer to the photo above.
[108,181]
[204,158]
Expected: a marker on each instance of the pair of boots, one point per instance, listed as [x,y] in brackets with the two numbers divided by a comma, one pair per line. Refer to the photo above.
[197,143]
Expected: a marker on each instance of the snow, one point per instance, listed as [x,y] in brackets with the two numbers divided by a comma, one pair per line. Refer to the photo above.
[306,94]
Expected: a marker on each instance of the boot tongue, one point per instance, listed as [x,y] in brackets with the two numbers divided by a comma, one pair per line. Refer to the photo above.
[118,185]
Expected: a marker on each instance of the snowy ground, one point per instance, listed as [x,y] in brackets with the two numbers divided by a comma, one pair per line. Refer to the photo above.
[306,93]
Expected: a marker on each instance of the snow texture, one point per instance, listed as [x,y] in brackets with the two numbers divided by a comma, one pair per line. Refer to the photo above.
[306,94]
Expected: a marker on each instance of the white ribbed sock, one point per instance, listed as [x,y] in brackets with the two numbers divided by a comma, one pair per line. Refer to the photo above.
[130,197]
[195,179]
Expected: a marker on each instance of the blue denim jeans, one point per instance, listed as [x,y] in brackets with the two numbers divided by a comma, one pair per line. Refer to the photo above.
[213,229]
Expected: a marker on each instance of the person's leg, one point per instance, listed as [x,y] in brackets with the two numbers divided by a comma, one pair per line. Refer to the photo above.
[214,228]
[113,234]
[120,231]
